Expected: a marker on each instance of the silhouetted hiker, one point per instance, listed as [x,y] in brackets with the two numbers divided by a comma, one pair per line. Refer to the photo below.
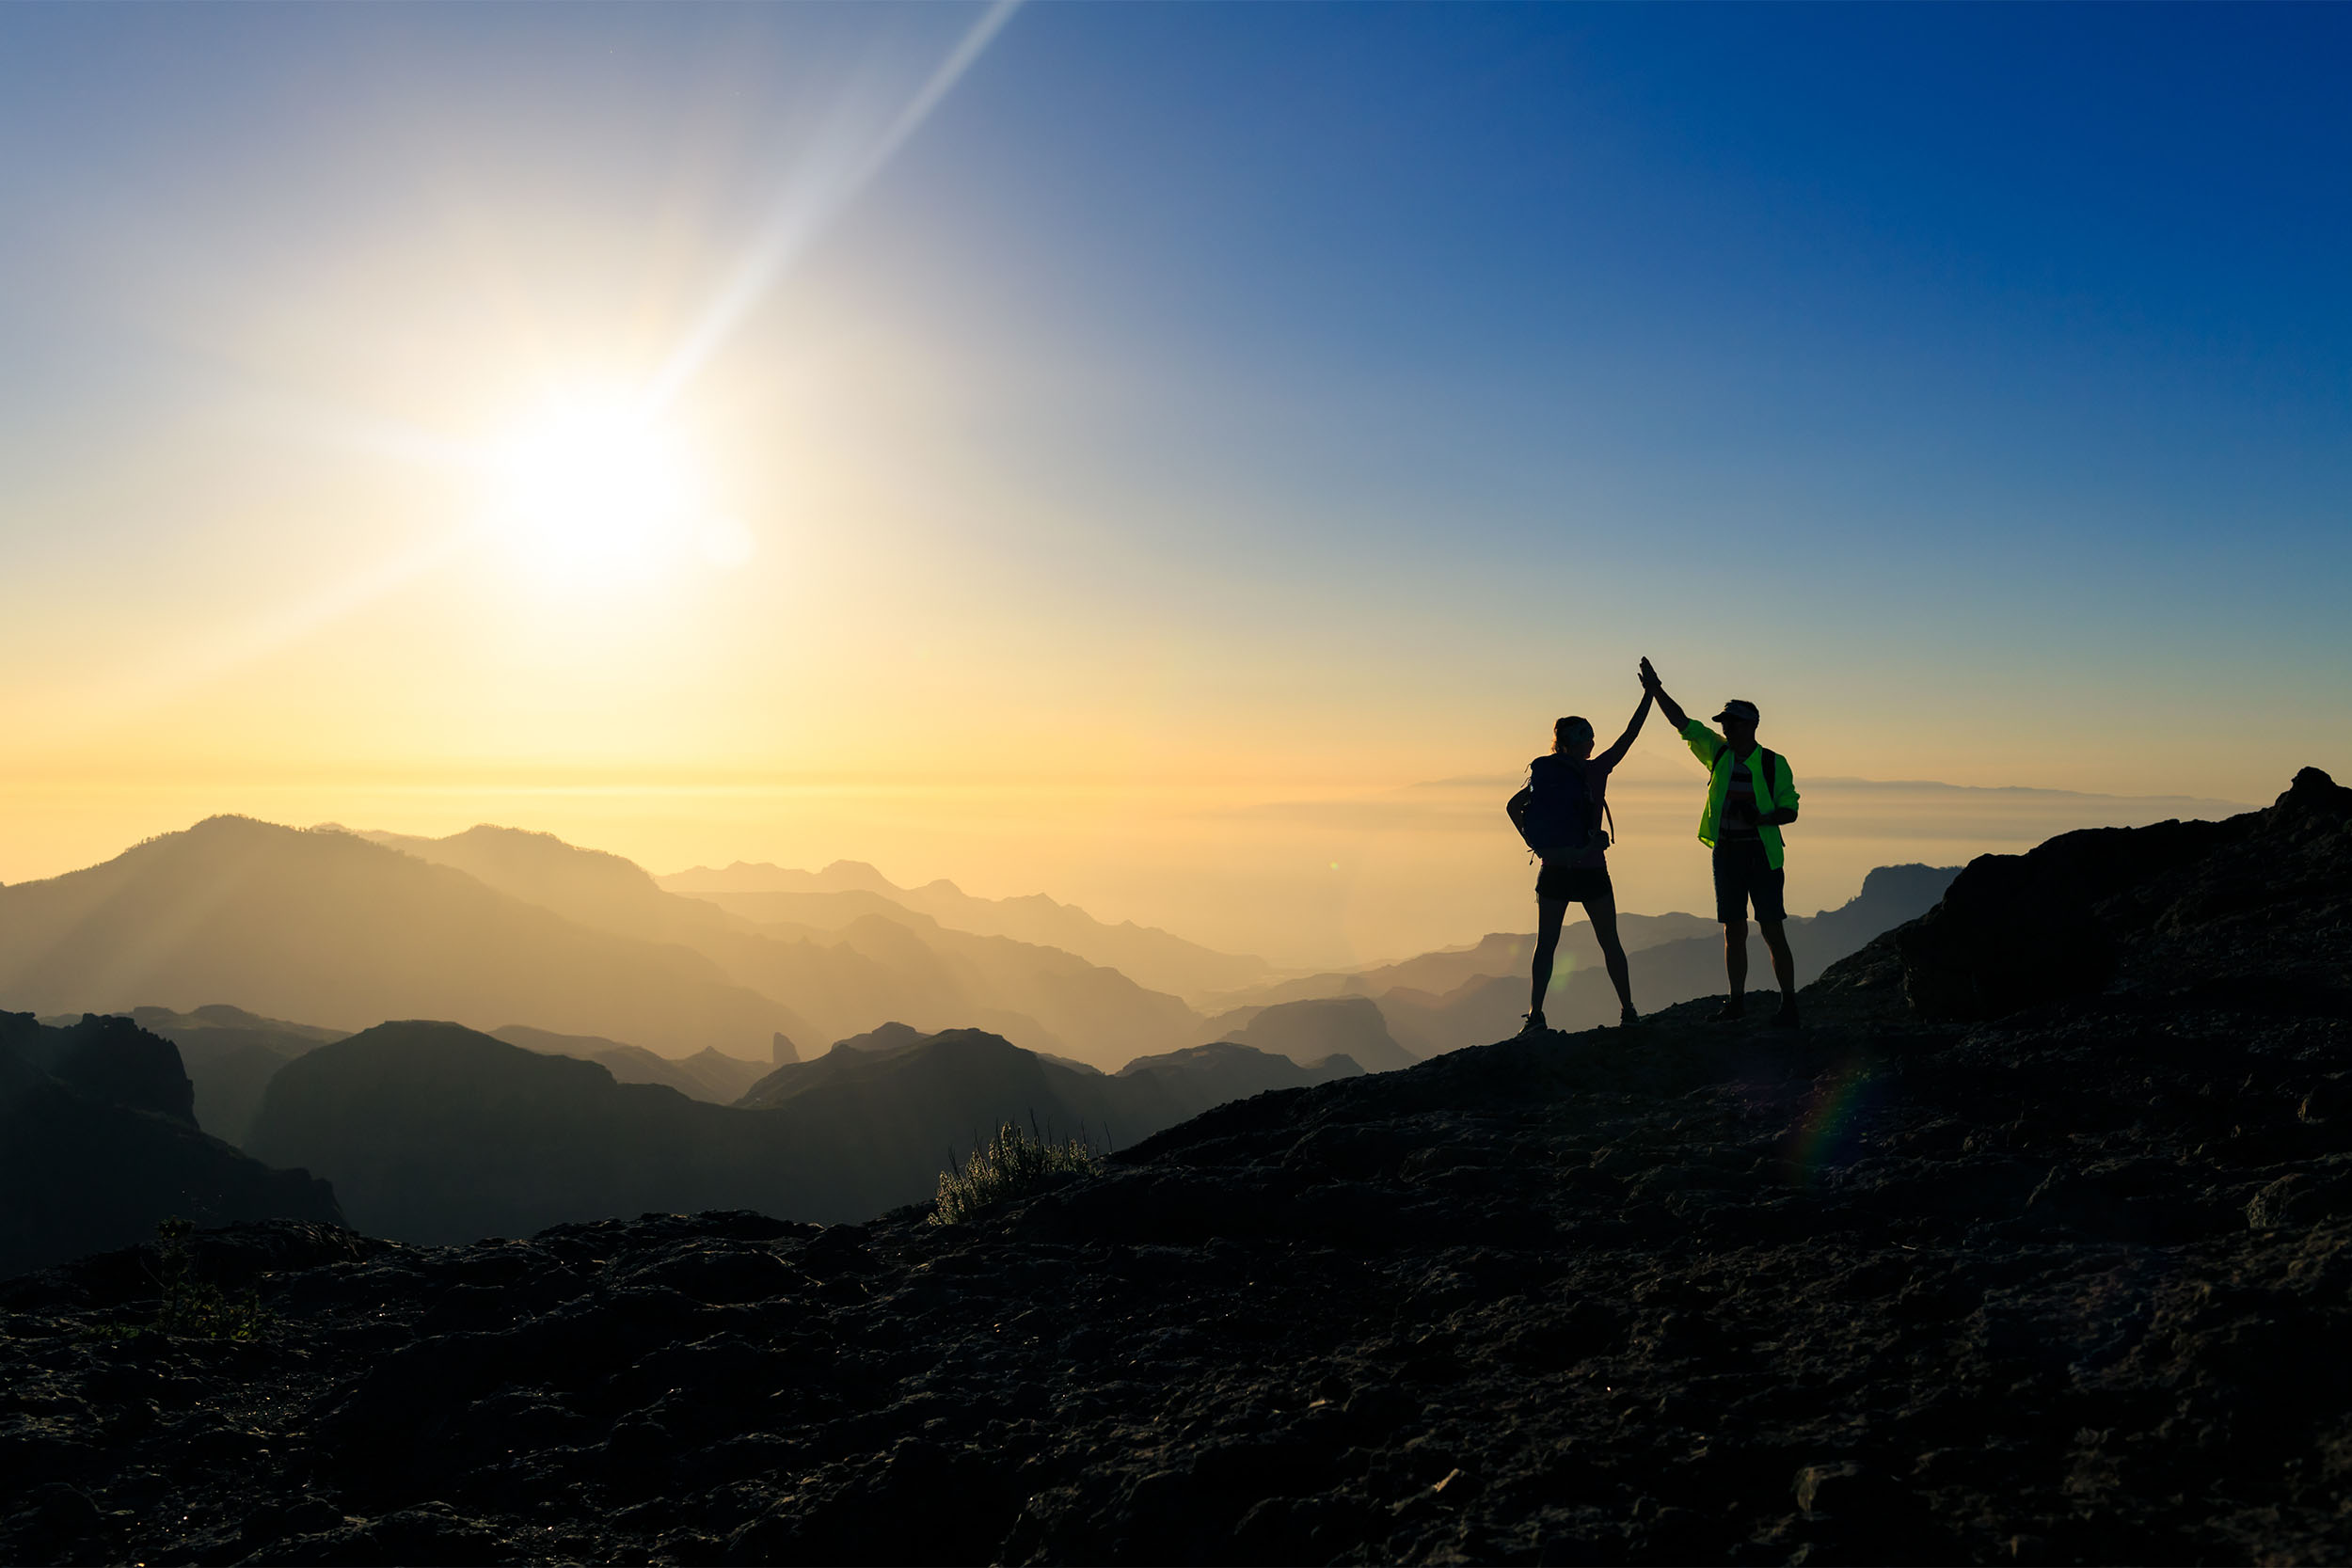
[1559,815]
[1751,796]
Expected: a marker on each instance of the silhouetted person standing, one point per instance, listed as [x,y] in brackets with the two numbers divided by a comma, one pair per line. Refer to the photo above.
[1567,789]
[1751,796]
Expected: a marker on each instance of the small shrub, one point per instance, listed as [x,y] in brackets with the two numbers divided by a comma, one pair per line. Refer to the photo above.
[196,1309]
[1013,1163]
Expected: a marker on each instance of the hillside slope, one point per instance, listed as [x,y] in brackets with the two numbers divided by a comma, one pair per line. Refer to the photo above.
[2034,1245]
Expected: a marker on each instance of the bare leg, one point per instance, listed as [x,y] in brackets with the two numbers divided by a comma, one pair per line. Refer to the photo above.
[1549,915]
[1735,958]
[1602,911]
[1783,962]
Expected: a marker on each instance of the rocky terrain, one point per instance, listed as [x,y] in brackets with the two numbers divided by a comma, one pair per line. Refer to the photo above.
[2032,1245]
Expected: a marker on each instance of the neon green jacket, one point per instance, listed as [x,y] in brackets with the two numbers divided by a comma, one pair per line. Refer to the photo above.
[1776,791]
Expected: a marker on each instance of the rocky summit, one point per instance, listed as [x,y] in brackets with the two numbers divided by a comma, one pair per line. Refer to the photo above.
[2032,1244]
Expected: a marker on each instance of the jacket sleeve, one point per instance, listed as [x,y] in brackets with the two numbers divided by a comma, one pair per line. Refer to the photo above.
[1705,743]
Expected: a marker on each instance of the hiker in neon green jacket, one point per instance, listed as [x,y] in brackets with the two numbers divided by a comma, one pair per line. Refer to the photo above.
[1751,795]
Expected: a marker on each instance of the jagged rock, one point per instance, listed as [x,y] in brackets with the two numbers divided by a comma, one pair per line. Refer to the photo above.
[106,1060]
[99,1143]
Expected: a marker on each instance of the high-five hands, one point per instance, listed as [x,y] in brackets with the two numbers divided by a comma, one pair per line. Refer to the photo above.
[1649,676]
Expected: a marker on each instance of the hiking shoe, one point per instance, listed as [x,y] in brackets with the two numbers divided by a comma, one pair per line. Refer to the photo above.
[1535,1024]
[1787,1017]
[1730,1012]
[1627,1017]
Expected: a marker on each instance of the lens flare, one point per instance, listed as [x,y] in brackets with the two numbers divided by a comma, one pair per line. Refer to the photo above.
[1827,1128]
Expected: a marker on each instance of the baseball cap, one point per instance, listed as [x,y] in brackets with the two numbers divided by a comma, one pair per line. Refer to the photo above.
[1739,707]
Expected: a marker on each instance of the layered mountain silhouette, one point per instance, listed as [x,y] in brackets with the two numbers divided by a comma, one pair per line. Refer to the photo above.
[329,929]
[435,1132]
[230,1055]
[99,1143]
[886,963]
[846,891]
[1307,1031]
[706,1075]
[2031,1246]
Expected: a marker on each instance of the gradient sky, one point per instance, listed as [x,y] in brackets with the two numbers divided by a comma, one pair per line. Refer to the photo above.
[1129,446]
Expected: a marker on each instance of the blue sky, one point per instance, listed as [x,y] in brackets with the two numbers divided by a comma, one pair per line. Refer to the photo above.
[1298,396]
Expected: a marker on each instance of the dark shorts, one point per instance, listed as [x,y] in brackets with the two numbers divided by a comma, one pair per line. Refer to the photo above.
[1574,884]
[1744,871]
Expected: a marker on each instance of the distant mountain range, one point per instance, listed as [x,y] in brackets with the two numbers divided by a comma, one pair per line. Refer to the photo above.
[878,964]
[1352,1026]
[434,1133]
[332,930]
[846,891]
[706,1075]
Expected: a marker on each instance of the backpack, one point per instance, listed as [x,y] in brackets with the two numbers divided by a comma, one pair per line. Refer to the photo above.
[1555,812]
[1761,770]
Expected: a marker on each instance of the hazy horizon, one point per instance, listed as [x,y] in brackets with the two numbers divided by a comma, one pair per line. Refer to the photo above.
[1421,871]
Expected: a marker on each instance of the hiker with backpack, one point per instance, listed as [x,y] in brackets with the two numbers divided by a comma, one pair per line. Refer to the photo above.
[1560,813]
[1751,796]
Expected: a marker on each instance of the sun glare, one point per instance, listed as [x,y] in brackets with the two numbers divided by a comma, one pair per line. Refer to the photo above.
[592,492]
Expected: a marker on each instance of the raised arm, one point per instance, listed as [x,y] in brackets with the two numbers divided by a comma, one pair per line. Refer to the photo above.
[1672,710]
[1615,753]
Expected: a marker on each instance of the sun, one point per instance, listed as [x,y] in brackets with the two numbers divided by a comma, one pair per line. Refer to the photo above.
[592,492]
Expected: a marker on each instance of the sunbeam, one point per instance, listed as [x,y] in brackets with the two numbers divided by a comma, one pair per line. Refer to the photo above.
[810,201]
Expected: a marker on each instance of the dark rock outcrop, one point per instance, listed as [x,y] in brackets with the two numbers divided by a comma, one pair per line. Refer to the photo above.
[108,1060]
[98,1144]
[2258,904]
[2067,1285]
